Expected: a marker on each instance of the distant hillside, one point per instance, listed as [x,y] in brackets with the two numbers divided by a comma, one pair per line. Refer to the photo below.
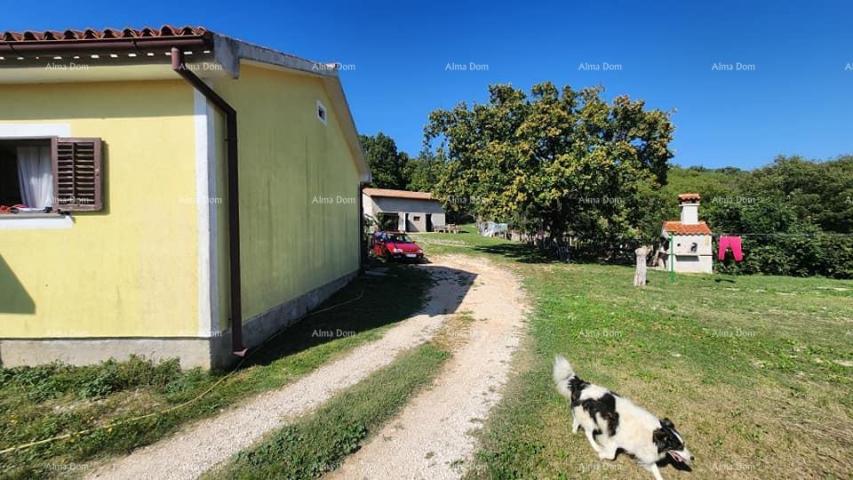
[708,182]
[796,215]
[817,192]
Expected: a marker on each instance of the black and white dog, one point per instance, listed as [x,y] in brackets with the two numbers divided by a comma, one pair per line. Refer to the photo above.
[613,423]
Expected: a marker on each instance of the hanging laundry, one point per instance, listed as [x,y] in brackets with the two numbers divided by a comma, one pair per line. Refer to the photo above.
[727,242]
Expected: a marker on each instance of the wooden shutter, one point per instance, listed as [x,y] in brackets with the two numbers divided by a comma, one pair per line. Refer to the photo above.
[77,180]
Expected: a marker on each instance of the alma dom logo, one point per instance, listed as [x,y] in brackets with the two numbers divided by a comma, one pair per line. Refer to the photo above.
[599,67]
[733,67]
[334,66]
[466,67]
[66,67]
[848,67]
[337,199]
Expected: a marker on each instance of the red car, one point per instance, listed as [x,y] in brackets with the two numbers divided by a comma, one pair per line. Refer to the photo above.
[396,246]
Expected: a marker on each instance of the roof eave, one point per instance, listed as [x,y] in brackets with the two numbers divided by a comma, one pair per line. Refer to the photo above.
[228,52]
[139,44]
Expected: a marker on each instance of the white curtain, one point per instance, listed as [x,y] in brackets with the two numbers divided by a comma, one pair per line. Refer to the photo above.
[35,176]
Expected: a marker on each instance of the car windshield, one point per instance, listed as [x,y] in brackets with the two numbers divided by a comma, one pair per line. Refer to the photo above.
[399,238]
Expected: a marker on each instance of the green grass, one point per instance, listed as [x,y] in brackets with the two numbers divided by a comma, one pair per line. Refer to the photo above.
[754,370]
[317,443]
[467,241]
[42,402]
[470,242]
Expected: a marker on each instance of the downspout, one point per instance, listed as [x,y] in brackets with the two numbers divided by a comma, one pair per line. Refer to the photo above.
[362,247]
[180,67]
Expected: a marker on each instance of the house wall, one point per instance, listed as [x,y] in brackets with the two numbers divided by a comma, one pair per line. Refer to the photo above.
[686,261]
[149,274]
[368,205]
[693,264]
[385,204]
[299,212]
[414,207]
[438,219]
[130,270]
[684,243]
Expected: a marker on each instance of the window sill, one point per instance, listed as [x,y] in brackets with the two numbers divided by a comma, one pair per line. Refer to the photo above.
[35,221]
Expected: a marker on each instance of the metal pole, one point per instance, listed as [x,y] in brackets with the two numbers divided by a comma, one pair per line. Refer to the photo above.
[671,259]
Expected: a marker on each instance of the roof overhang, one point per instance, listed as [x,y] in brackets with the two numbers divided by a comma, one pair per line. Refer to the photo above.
[121,55]
[405,194]
[675,227]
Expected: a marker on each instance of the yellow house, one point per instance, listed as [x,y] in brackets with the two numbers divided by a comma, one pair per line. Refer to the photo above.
[169,193]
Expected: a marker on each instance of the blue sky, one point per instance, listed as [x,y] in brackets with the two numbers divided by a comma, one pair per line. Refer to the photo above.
[797,98]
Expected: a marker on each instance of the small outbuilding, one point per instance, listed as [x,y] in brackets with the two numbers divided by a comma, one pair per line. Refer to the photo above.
[403,210]
[688,240]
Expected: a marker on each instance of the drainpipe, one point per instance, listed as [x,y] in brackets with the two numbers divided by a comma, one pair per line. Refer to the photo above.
[180,67]
[362,246]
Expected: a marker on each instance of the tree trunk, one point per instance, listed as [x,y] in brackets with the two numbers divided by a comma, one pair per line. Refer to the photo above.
[640,274]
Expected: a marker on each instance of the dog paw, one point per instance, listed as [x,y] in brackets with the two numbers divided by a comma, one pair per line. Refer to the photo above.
[605,455]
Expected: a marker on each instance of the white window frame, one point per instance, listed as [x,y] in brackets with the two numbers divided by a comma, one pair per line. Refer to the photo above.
[21,131]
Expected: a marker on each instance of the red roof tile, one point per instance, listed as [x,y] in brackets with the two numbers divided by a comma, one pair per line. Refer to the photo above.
[679,228]
[385,192]
[166,31]
[689,197]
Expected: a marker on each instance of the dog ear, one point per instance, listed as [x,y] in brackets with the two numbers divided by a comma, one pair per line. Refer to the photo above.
[660,437]
[667,423]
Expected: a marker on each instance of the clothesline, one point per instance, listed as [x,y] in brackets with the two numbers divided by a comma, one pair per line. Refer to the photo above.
[780,234]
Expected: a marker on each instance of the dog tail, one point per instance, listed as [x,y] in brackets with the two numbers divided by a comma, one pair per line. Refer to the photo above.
[563,371]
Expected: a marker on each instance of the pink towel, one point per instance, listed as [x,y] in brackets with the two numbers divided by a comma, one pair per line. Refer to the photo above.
[727,242]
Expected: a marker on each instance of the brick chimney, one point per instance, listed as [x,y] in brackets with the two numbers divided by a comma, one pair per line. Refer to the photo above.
[689,203]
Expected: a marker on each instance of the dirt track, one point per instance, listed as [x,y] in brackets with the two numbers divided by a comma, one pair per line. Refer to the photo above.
[430,438]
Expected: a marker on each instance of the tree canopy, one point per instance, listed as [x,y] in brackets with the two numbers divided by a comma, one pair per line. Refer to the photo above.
[563,162]
[387,164]
[567,164]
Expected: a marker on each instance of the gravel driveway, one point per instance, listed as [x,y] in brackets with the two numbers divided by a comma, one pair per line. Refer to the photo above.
[431,436]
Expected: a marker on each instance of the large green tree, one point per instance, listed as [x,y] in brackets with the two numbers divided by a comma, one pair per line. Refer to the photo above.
[819,192]
[563,162]
[424,171]
[387,164]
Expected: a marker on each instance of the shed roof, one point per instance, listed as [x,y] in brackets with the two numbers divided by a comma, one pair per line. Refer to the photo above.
[678,228]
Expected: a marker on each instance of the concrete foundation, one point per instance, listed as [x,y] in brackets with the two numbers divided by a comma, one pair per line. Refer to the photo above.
[259,328]
[193,352]
[214,352]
